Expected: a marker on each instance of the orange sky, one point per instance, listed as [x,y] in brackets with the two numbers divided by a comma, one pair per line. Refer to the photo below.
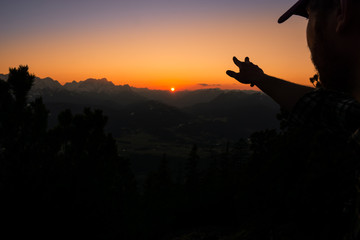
[163,50]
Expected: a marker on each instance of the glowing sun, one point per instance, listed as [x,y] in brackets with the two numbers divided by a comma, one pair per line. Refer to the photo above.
[172,89]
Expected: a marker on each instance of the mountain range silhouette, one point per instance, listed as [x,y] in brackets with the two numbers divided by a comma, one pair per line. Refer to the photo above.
[211,113]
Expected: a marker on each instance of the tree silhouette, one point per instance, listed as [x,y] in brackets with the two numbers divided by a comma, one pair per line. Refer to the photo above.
[20,82]
[192,171]
[70,177]
[160,202]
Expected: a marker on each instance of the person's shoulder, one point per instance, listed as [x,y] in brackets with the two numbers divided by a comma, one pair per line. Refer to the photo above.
[323,94]
[327,108]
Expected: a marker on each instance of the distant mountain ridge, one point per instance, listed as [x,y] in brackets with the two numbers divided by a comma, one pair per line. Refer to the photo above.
[88,85]
[90,92]
[48,86]
[3,76]
[46,83]
[96,85]
[52,90]
[204,114]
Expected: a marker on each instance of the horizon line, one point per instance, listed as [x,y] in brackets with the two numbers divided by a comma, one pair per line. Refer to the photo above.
[194,87]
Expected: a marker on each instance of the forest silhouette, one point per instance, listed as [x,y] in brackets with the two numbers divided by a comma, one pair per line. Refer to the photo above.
[70,181]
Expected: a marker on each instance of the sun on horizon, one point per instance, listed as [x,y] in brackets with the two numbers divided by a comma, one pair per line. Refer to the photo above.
[172,89]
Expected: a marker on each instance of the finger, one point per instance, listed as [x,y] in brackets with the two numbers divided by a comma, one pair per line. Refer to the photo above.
[247,59]
[232,74]
[237,62]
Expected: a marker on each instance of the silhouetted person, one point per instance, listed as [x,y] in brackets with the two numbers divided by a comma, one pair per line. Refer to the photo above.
[333,37]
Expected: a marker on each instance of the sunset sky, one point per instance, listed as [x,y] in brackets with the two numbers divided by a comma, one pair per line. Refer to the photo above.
[159,44]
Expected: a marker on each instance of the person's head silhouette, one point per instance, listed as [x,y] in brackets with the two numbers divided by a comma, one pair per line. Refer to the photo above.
[333,36]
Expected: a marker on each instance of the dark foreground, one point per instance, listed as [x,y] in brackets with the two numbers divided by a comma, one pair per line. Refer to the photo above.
[71,180]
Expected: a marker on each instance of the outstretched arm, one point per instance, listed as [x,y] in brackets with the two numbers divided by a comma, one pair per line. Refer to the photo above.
[285,93]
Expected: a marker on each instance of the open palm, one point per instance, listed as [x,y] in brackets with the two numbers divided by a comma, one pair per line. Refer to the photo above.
[248,72]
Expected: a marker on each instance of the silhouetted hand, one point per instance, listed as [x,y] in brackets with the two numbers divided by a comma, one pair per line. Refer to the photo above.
[248,74]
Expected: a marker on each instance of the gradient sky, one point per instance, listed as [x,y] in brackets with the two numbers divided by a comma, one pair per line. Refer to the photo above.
[159,44]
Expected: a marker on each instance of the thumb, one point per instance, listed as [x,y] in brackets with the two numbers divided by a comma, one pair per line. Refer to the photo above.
[231,74]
